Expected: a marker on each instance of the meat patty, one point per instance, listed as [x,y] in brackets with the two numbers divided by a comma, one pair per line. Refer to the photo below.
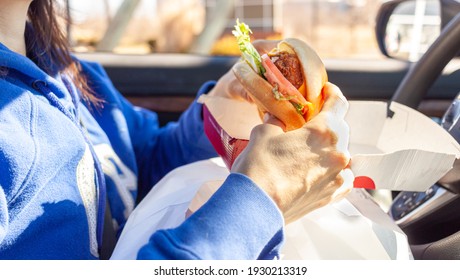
[289,66]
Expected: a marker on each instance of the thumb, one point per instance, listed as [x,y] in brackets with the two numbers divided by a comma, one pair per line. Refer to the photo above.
[271,127]
[271,119]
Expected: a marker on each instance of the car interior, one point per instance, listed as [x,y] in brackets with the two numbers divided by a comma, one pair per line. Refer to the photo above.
[167,83]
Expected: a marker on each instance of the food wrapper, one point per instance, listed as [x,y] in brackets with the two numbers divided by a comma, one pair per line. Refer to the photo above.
[392,146]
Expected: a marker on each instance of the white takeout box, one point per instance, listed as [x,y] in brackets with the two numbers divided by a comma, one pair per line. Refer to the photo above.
[407,151]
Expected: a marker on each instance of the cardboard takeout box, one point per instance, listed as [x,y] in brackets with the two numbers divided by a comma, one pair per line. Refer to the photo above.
[392,147]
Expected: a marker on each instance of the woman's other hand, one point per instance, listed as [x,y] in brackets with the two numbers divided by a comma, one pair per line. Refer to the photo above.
[229,87]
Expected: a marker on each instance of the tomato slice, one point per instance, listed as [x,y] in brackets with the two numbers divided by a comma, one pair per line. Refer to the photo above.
[283,87]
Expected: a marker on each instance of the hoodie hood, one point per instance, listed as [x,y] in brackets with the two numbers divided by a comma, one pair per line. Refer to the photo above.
[19,69]
[12,60]
[29,71]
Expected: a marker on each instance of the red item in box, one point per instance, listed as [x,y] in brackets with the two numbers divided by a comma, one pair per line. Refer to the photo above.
[226,146]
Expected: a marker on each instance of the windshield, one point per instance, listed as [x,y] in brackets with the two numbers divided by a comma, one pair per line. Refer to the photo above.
[335,28]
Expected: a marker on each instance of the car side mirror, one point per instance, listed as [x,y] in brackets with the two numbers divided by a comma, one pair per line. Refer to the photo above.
[406,28]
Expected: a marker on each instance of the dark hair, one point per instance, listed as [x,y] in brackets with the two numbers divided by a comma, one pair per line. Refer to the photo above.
[49,38]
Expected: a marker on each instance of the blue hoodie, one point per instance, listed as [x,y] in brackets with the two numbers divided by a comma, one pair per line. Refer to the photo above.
[60,160]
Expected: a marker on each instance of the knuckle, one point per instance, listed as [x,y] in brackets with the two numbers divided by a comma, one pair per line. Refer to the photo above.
[319,130]
[339,181]
[324,202]
[258,130]
[341,159]
[265,130]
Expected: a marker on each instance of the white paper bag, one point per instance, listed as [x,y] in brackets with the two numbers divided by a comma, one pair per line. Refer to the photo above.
[338,231]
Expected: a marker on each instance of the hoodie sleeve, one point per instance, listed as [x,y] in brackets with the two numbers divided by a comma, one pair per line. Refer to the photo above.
[157,150]
[238,222]
[171,146]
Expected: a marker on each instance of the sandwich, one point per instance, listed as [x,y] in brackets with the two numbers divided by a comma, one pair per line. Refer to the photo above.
[286,82]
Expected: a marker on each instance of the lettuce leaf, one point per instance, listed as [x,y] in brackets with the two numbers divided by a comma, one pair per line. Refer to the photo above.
[248,51]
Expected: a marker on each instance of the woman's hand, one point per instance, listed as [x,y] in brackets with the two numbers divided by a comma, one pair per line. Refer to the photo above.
[303,169]
[229,87]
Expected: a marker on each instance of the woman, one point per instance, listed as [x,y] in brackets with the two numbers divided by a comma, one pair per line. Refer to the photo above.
[69,141]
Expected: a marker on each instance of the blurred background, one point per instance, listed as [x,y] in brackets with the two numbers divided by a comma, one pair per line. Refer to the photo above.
[335,28]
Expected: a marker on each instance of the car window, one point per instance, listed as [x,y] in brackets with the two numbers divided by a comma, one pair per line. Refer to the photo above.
[335,28]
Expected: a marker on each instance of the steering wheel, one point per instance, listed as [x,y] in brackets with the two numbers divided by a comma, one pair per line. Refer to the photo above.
[411,91]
